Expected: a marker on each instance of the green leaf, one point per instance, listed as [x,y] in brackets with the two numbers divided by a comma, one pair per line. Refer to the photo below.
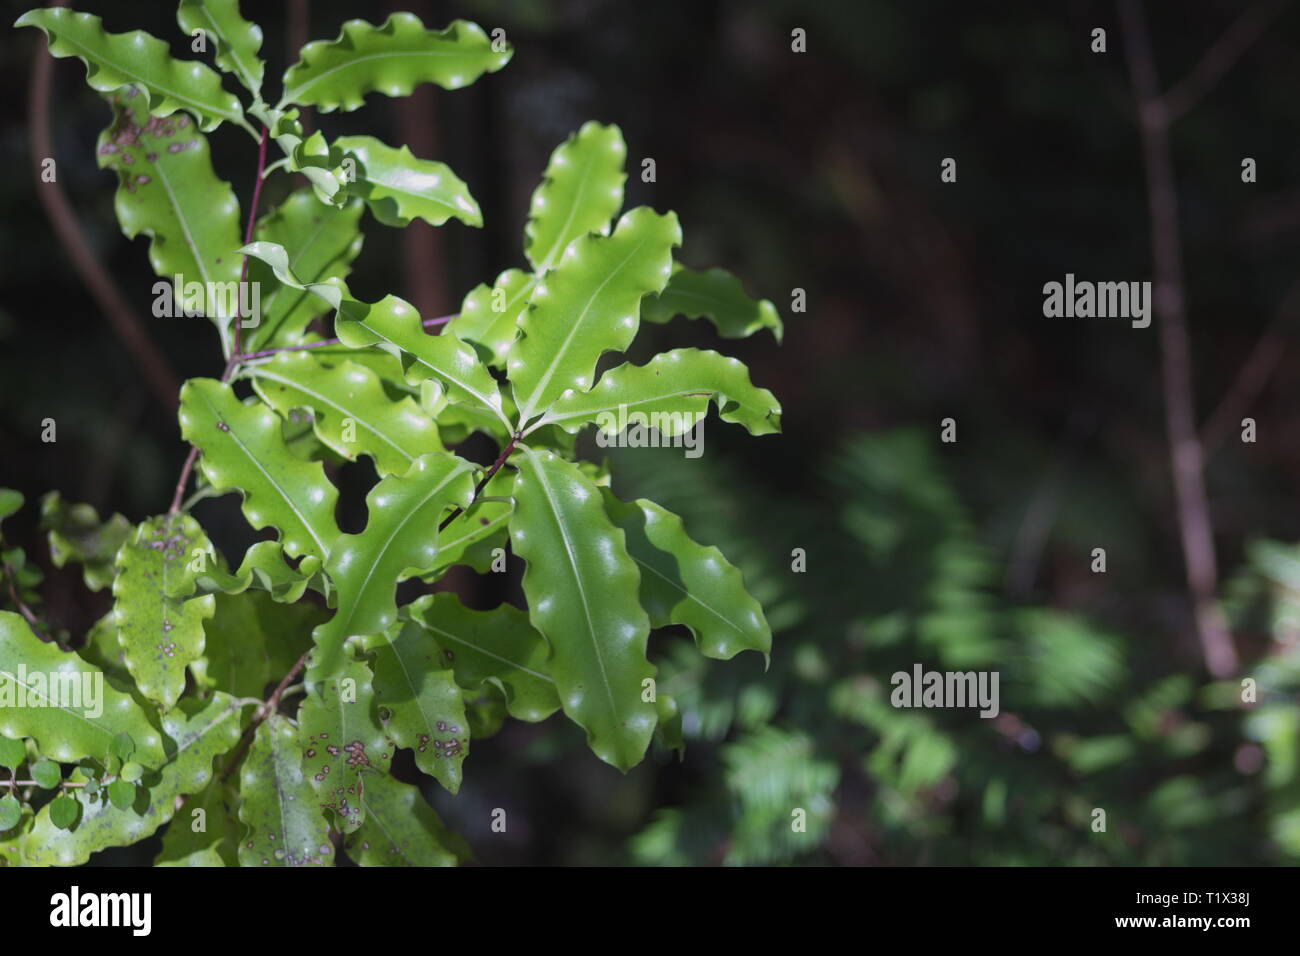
[321,242]
[391,59]
[582,589]
[580,192]
[489,314]
[401,538]
[264,568]
[497,647]
[420,705]
[203,833]
[718,296]
[77,536]
[39,690]
[588,305]
[132,771]
[252,640]
[11,812]
[13,753]
[243,450]
[196,732]
[123,746]
[472,536]
[160,634]
[236,39]
[671,392]
[401,829]
[168,191]
[121,793]
[63,811]
[47,774]
[683,582]
[341,741]
[116,60]
[351,412]
[398,187]
[395,326]
[277,803]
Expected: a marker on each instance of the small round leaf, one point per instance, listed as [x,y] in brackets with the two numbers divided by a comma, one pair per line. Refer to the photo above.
[121,794]
[63,812]
[11,811]
[47,774]
[12,752]
[132,771]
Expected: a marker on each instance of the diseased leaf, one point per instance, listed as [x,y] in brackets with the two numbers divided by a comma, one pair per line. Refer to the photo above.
[77,536]
[499,647]
[582,589]
[588,305]
[351,413]
[196,733]
[168,191]
[401,538]
[398,187]
[419,703]
[391,59]
[686,583]
[671,393]
[243,450]
[401,829]
[341,741]
[580,192]
[718,296]
[285,826]
[116,60]
[237,41]
[159,628]
[63,703]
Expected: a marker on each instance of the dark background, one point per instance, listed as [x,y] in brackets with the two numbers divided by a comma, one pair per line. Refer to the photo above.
[821,171]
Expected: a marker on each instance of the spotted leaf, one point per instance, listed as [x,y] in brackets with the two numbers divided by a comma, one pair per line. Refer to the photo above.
[277,805]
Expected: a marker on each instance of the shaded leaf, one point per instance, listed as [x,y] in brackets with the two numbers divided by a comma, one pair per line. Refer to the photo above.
[401,829]
[718,296]
[284,823]
[77,536]
[237,40]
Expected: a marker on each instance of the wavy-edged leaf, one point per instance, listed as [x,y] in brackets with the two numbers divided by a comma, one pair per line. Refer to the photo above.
[351,412]
[683,582]
[159,627]
[253,640]
[499,647]
[342,742]
[285,826]
[392,59]
[196,733]
[243,450]
[265,569]
[671,392]
[321,241]
[489,315]
[471,538]
[401,538]
[237,40]
[203,832]
[78,536]
[167,190]
[399,187]
[63,703]
[588,305]
[580,192]
[582,589]
[395,326]
[115,60]
[401,829]
[715,295]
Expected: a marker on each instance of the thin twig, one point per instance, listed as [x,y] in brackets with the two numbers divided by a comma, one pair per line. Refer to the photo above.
[1186,454]
[478,489]
[23,609]
[263,712]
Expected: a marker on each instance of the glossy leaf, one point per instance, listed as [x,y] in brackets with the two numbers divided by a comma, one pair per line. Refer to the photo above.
[78,536]
[401,538]
[285,826]
[237,40]
[265,569]
[398,187]
[580,192]
[56,698]
[498,647]
[117,60]
[196,733]
[671,392]
[351,412]
[243,450]
[683,582]
[392,59]
[718,296]
[489,314]
[420,704]
[587,305]
[582,589]
[401,829]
